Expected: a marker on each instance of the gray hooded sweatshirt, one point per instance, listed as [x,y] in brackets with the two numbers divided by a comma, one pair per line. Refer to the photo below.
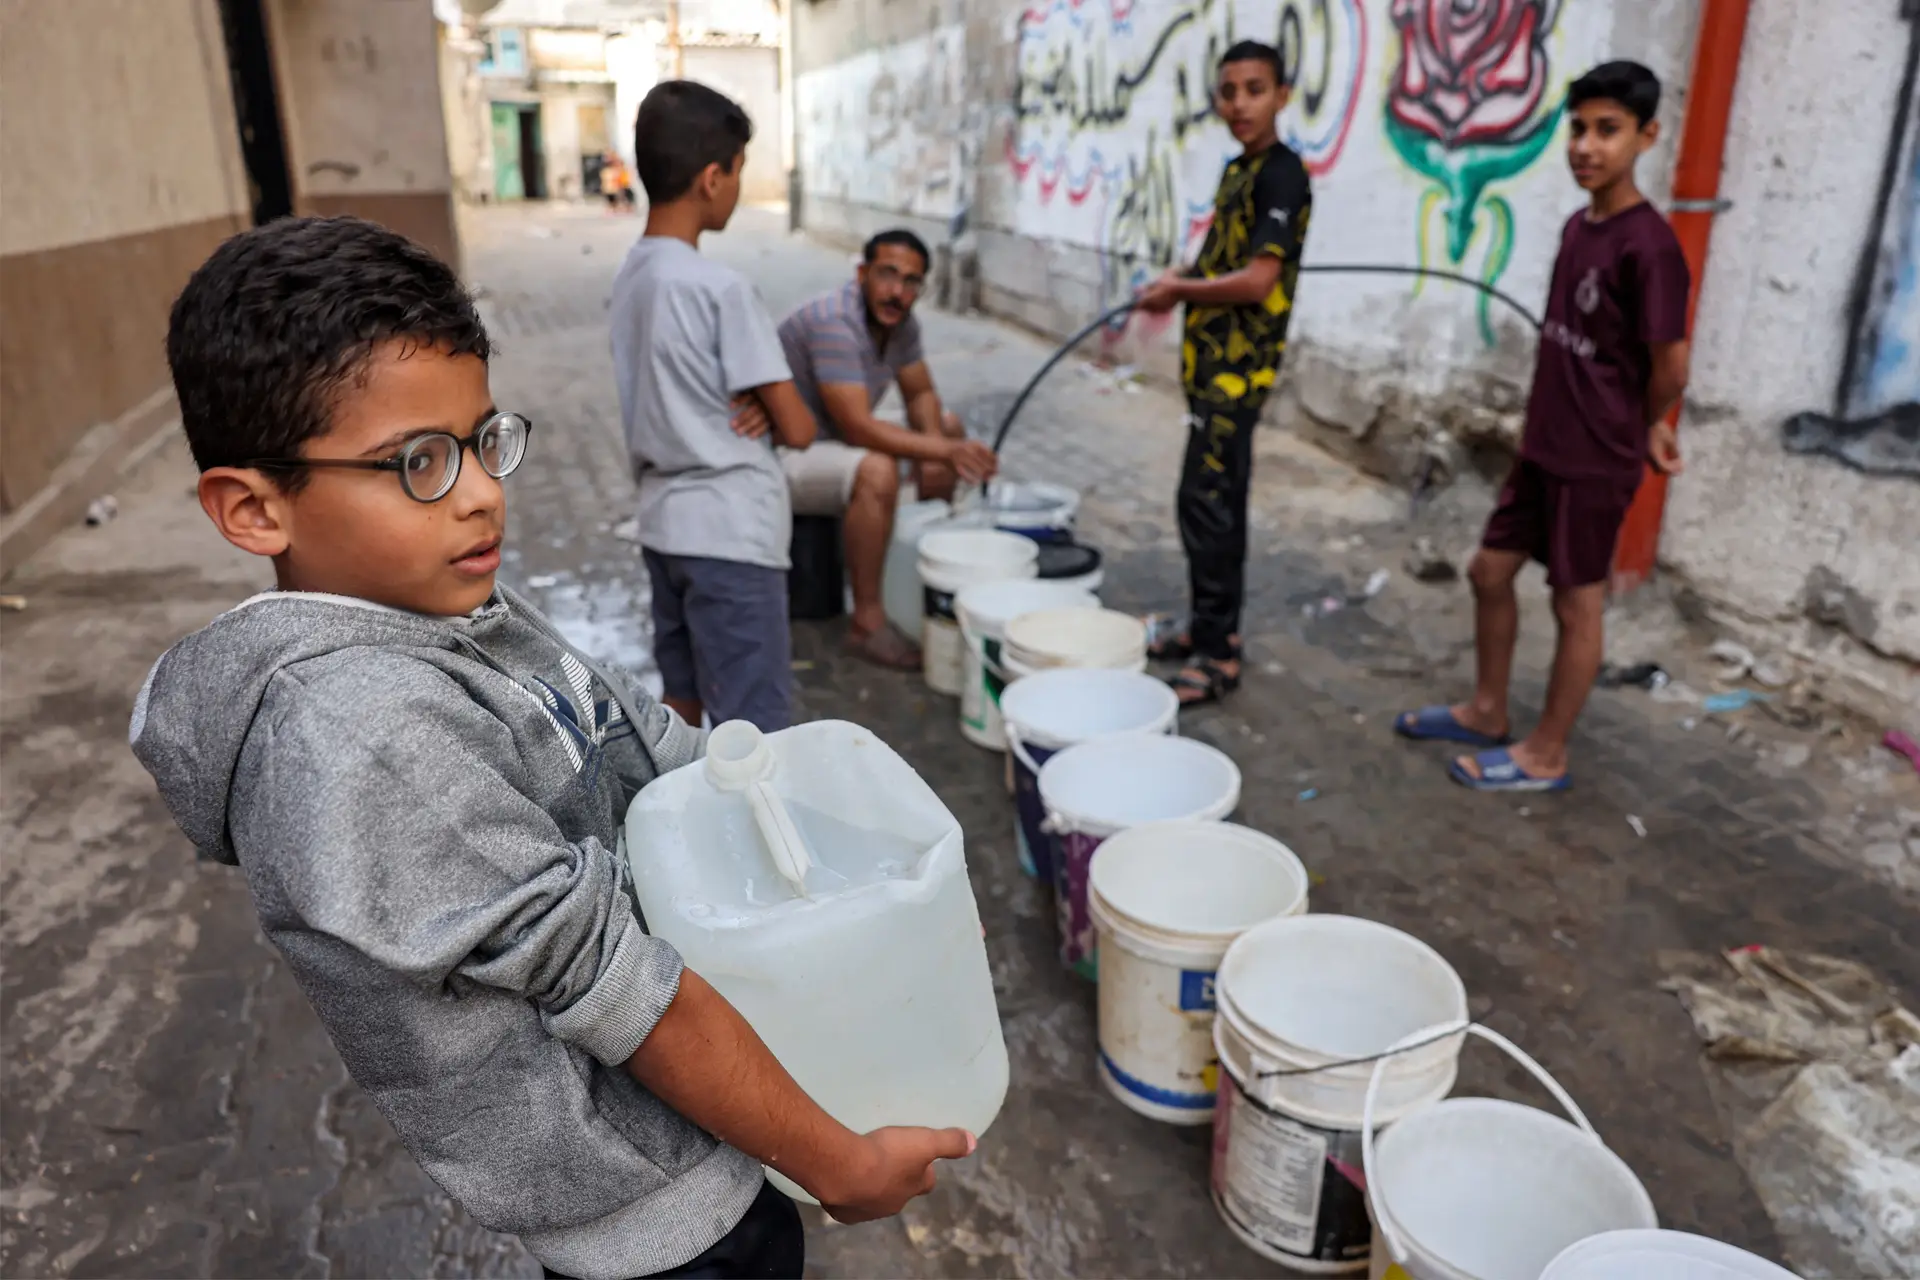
[428,815]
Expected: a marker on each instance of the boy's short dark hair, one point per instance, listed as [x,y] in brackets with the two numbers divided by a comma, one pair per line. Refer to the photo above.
[281,317]
[1627,83]
[683,127]
[898,236]
[1254,51]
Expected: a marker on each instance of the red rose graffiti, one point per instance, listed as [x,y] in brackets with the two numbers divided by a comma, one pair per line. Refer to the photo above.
[1468,108]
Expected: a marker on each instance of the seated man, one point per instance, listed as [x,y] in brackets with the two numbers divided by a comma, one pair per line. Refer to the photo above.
[843,348]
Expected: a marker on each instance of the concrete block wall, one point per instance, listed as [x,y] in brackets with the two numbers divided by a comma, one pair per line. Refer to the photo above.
[1093,160]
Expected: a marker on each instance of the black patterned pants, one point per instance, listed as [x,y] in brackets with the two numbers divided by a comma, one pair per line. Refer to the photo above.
[1212,510]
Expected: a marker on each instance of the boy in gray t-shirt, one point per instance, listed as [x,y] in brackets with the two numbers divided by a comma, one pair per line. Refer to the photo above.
[703,382]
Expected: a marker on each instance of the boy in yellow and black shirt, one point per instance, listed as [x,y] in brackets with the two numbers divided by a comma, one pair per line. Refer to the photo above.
[1239,297]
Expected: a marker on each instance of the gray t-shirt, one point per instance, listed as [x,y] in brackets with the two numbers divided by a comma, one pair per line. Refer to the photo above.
[688,335]
[827,340]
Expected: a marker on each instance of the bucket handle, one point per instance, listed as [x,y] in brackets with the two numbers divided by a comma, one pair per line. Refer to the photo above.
[1383,1220]
[1018,749]
[978,643]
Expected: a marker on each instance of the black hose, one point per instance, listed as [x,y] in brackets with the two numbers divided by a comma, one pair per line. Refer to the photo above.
[1343,268]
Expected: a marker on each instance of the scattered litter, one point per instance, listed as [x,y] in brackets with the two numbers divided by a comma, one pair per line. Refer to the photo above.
[102,509]
[13,604]
[541,581]
[1308,794]
[1425,563]
[1771,675]
[1794,715]
[628,530]
[800,664]
[1274,669]
[1259,739]
[1811,1063]
[1688,724]
[1639,827]
[1641,675]
[1793,755]
[1734,659]
[1376,583]
[1322,607]
[1903,744]
[1358,718]
[1737,700]
[1525,812]
[1675,692]
[1565,941]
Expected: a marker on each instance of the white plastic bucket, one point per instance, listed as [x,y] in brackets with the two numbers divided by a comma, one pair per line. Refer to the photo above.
[952,559]
[1051,710]
[1096,789]
[983,611]
[1484,1189]
[900,589]
[1043,512]
[1305,1004]
[1640,1254]
[1075,638]
[1168,899]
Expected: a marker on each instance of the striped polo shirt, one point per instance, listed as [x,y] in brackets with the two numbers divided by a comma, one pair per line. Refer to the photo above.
[826,340]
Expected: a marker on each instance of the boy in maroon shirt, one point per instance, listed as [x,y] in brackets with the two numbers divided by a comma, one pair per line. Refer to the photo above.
[1612,362]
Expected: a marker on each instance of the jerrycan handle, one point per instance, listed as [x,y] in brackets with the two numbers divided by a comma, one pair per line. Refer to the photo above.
[738,759]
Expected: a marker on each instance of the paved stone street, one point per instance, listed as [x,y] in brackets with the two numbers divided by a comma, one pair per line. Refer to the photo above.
[173,1108]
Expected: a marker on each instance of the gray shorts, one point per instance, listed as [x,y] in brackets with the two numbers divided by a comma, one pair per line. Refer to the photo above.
[720,635]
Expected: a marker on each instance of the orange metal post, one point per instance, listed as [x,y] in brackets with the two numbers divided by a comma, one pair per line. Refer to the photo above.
[1696,199]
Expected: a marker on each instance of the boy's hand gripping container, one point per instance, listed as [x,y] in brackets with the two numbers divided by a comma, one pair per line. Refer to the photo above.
[819,884]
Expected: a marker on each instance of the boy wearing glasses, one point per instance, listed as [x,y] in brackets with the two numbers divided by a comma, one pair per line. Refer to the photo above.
[424,785]
[702,382]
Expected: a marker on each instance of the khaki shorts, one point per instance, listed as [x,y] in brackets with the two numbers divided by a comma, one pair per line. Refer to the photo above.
[820,477]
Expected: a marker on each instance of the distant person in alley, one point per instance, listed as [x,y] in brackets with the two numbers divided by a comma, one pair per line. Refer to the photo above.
[1239,298]
[705,394]
[845,347]
[424,785]
[1612,361]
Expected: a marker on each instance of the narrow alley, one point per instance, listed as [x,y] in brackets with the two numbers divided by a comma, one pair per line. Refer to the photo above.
[174,1108]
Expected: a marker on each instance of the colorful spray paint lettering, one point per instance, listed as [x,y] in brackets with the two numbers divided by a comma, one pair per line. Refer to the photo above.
[1470,107]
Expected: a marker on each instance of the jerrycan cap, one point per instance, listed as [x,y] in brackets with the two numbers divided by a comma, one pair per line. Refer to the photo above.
[737,756]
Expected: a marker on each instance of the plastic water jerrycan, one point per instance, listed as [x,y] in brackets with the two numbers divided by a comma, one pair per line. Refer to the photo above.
[819,884]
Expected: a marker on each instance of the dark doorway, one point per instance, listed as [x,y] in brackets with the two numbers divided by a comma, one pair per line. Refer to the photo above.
[533,169]
[256,108]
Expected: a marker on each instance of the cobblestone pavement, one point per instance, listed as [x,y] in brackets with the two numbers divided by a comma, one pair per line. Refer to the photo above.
[171,1107]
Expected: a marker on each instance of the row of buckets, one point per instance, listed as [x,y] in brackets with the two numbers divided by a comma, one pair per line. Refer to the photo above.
[1321,1048]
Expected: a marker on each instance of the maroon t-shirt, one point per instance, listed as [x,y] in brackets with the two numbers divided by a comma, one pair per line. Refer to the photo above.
[1618,287]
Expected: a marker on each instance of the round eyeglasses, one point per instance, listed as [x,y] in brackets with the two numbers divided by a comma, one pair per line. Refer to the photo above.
[429,464]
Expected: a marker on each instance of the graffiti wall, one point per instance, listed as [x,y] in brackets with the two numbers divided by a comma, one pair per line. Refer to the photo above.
[889,128]
[1429,127]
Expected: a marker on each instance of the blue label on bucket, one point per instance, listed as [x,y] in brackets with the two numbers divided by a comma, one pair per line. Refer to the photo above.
[1196,990]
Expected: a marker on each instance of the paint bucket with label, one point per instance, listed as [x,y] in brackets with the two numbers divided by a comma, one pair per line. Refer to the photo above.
[1168,899]
[1305,1006]
[1075,638]
[900,588]
[1642,1254]
[950,560]
[1043,512]
[1097,789]
[1485,1189]
[1051,710]
[983,611]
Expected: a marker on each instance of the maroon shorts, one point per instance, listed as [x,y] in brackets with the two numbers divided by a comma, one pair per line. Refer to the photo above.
[1570,526]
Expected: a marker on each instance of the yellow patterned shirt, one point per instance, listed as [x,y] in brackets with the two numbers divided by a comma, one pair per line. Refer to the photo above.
[1231,355]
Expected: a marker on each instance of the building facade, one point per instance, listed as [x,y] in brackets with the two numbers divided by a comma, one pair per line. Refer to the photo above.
[199,118]
[1062,151]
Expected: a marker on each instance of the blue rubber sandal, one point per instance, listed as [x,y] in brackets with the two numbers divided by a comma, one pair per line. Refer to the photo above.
[1499,772]
[1436,724]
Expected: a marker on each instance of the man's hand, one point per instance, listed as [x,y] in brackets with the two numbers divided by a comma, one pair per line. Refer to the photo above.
[1162,296]
[973,461]
[750,416]
[894,1166]
[1663,449]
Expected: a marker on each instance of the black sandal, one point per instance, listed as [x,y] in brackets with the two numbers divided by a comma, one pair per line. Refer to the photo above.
[1213,682]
